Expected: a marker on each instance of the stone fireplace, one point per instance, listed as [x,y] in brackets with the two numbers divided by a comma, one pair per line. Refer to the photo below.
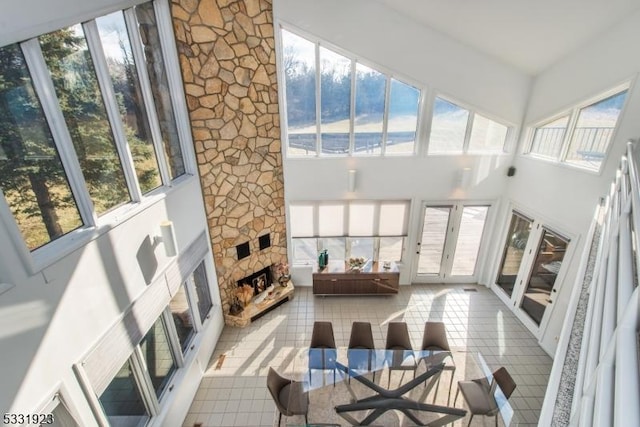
[228,61]
[259,280]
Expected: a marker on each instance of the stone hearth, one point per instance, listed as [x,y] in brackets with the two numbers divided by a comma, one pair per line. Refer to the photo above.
[227,56]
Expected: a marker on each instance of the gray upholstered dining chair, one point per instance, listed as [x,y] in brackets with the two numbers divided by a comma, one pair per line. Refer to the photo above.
[480,394]
[323,353]
[435,338]
[361,339]
[398,339]
[289,396]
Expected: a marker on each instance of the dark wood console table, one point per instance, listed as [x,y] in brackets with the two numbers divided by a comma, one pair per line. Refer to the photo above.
[338,279]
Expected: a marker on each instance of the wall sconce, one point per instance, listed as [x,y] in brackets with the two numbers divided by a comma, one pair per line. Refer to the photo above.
[168,237]
[464,178]
[352,181]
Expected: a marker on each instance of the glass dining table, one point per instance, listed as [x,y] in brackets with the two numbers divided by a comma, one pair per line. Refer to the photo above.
[384,387]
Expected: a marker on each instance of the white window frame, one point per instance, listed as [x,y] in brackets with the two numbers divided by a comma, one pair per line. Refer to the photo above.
[94,226]
[508,140]
[573,114]
[347,246]
[355,59]
[58,398]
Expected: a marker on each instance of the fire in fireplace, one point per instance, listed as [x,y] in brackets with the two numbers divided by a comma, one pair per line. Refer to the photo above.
[259,280]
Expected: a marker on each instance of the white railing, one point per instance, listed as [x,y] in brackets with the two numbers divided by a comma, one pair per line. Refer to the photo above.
[607,382]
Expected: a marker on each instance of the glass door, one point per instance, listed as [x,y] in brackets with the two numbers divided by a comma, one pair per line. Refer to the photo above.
[433,238]
[465,256]
[544,271]
[514,251]
[450,241]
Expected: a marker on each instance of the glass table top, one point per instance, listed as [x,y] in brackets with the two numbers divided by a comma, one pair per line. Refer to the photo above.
[388,387]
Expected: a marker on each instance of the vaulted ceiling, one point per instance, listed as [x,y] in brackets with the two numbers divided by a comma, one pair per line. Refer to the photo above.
[529,35]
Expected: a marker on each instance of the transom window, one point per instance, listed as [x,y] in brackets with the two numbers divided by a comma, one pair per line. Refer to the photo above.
[86,123]
[580,137]
[455,130]
[336,105]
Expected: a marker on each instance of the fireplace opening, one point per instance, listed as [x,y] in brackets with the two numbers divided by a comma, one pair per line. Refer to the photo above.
[259,280]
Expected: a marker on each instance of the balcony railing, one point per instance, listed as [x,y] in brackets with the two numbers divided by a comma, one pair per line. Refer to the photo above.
[587,143]
[596,362]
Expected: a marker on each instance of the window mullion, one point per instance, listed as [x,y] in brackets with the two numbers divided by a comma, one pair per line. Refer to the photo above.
[190,286]
[376,249]
[318,101]
[568,134]
[174,78]
[143,380]
[147,94]
[172,335]
[385,118]
[112,108]
[51,107]
[352,109]
[467,132]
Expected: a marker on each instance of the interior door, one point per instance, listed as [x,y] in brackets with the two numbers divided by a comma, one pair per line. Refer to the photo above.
[449,245]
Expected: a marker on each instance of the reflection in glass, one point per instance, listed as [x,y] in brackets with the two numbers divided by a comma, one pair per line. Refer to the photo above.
[448,127]
[487,135]
[370,92]
[517,238]
[545,269]
[594,130]
[158,357]
[122,401]
[390,249]
[403,118]
[74,78]
[361,247]
[300,87]
[305,250]
[181,313]
[203,295]
[434,231]
[468,241]
[124,77]
[335,102]
[160,86]
[547,139]
[336,247]
[32,179]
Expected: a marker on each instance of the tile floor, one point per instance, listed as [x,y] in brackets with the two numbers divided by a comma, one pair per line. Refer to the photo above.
[236,394]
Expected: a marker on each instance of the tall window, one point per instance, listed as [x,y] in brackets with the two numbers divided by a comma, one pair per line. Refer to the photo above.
[456,130]
[182,317]
[343,107]
[156,68]
[122,401]
[32,177]
[86,123]
[158,357]
[582,136]
[76,85]
[202,291]
[124,76]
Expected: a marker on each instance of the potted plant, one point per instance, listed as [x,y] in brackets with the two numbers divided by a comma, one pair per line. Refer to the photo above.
[282,274]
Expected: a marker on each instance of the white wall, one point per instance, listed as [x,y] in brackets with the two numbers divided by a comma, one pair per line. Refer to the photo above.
[372,31]
[50,320]
[378,34]
[566,195]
